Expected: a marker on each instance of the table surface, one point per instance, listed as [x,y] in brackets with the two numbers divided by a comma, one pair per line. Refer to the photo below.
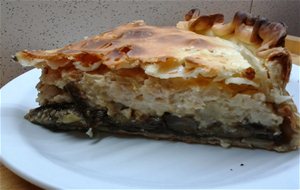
[10,181]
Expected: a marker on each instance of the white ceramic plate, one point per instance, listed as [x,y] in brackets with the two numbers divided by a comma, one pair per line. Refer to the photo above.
[68,161]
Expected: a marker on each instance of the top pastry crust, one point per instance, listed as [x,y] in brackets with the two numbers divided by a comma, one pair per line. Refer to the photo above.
[242,51]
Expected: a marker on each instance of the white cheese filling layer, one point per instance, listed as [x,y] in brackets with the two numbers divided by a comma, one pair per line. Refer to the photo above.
[207,104]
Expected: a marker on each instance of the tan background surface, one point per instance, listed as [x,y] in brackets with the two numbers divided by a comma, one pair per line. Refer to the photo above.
[48,24]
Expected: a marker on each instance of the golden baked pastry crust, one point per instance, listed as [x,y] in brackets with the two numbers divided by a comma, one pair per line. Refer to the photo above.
[175,53]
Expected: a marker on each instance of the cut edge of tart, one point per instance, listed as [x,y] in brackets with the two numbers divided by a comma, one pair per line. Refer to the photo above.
[200,82]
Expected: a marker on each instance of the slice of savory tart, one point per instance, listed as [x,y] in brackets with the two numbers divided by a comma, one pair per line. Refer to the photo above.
[200,82]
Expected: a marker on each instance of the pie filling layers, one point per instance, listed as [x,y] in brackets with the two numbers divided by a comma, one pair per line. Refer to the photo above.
[205,101]
[131,101]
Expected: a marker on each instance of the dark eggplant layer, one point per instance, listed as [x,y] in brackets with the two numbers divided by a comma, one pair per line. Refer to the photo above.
[71,117]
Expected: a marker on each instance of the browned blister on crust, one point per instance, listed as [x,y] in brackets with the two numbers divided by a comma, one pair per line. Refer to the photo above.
[203,23]
[193,13]
[284,59]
